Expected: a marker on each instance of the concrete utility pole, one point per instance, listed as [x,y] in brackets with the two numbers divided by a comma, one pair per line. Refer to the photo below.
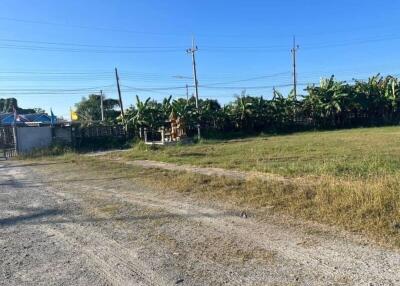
[101,106]
[119,96]
[187,86]
[192,51]
[15,131]
[294,50]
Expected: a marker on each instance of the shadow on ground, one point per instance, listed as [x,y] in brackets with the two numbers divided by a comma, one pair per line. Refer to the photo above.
[21,183]
[49,216]
[13,165]
[28,217]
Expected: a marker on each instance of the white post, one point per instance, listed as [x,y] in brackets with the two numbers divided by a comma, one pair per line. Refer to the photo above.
[198,132]
[15,134]
[162,135]
[145,135]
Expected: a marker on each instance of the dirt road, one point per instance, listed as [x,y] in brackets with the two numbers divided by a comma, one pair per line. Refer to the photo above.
[84,230]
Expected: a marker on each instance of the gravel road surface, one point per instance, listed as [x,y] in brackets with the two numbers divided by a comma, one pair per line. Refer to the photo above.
[85,230]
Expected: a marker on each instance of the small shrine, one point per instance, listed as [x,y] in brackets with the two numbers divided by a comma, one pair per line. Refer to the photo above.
[173,132]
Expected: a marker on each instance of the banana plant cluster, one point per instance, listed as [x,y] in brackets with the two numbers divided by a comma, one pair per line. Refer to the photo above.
[331,104]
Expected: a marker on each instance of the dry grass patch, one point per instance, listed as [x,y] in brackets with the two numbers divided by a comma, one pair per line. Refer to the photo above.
[364,205]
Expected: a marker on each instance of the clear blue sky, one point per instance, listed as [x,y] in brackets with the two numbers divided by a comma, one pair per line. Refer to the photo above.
[54,52]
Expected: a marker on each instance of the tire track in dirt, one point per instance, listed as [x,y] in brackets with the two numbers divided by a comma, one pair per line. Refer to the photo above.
[315,258]
[234,278]
[119,265]
[335,259]
[327,255]
[116,264]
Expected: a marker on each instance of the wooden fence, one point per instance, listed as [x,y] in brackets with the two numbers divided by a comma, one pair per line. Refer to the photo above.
[117,131]
[7,143]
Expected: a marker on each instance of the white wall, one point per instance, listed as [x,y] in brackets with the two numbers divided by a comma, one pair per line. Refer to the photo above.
[30,138]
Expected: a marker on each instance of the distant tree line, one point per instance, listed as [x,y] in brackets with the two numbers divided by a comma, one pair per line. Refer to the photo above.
[8,104]
[331,104]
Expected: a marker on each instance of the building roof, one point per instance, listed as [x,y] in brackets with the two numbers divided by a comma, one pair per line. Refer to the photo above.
[8,118]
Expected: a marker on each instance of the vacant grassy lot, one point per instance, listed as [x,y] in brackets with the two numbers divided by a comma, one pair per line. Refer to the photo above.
[349,153]
[349,178]
[346,178]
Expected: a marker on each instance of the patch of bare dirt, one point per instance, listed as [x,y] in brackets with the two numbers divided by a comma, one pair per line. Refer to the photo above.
[79,230]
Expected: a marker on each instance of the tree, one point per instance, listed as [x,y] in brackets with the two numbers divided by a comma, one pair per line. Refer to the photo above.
[241,111]
[148,113]
[89,109]
[8,104]
[210,114]
[39,110]
[185,110]
[330,104]
[326,102]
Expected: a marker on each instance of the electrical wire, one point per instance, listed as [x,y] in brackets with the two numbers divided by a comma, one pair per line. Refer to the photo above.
[78,47]
[112,29]
[250,79]
[77,50]
[92,45]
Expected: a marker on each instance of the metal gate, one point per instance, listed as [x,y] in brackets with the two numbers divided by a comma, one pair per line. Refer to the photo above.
[7,142]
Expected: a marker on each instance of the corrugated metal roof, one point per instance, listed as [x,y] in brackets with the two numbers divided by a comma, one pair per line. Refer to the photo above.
[8,118]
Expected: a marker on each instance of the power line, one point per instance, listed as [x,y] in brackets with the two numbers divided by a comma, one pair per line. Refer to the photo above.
[51,72]
[351,43]
[92,45]
[112,29]
[126,74]
[149,91]
[66,90]
[78,50]
[246,87]
[154,88]
[81,48]
[249,79]
[123,30]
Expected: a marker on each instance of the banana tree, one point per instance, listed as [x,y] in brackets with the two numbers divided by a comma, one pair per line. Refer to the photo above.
[139,115]
[242,111]
[371,95]
[325,102]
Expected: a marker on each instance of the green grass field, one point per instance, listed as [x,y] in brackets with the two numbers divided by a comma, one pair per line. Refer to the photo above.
[347,178]
[348,153]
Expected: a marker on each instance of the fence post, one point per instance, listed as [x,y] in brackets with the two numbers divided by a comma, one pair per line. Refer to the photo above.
[15,134]
[162,135]
[145,135]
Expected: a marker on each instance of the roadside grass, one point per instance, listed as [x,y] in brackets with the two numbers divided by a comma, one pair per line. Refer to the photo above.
[353,154]
[366,205]
[347,178]
[53,150]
